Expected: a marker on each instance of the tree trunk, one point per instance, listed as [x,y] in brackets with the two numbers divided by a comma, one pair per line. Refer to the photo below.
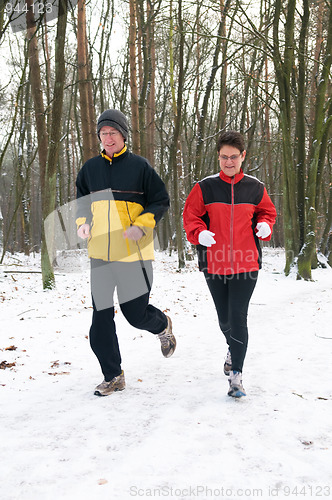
[105,40]
[323,247]
[88,121]
[151,105]
[48,150]
[221,118]
[136,147]
[321,127]
[207,95]
[49,200]
[42,135]
[175,150]
[143,71]
[283,76]
[300,133]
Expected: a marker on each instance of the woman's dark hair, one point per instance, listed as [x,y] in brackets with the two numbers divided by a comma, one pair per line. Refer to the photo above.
[231,138]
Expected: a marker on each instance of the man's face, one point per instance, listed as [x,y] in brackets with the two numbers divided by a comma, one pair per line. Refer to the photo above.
[112,140]
[230,160]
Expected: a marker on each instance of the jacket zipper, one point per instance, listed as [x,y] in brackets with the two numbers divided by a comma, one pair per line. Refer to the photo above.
[109,230]
[126,192]
[232,226]
[116,191]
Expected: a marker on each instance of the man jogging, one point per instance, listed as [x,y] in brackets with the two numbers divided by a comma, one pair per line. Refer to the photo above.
[120,199]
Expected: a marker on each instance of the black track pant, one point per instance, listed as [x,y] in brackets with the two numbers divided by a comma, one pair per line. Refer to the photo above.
[137,311]
[231,296]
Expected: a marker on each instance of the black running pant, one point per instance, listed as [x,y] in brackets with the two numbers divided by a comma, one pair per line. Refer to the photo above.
[138,312]
[231,295]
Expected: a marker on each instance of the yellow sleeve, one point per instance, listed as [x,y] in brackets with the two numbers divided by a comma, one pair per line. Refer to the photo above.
[145,220]
[80,221]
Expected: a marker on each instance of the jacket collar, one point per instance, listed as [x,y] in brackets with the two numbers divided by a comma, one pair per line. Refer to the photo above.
[236,177]
[116,155]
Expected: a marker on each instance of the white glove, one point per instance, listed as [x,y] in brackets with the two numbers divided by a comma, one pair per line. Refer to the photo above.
[263,230]
[84,231]
[134,233]
[206,238]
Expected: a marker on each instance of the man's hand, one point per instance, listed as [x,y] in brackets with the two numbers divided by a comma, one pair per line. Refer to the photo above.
[83,231]
[134,233]
[206,238]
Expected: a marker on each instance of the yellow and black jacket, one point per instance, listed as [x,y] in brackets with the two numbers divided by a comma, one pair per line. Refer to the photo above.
[113,194]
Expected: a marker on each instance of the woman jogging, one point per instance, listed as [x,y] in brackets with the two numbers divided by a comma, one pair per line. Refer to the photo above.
[225,215]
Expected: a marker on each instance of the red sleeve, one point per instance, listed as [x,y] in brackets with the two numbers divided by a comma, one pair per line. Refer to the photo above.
[266,212]
[194,209]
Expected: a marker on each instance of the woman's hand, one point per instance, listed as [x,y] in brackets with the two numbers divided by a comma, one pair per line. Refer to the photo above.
[206,238]
[263,230]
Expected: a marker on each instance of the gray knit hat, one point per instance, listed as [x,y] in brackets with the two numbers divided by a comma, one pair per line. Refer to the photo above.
[113,118]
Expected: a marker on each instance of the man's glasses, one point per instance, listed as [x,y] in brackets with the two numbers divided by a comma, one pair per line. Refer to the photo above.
[233,157]
[111,134]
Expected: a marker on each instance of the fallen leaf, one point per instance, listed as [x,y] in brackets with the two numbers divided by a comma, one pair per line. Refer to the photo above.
[299,395]
[307,443]
[59,373]
[4,365]
[11,348]
[102,481]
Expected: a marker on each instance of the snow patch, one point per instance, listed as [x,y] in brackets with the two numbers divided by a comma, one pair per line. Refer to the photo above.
[174,431]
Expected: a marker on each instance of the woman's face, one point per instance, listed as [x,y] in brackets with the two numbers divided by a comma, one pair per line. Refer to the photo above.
[230,160]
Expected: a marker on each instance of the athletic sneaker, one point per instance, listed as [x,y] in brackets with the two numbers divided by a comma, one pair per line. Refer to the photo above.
[236,389]
[167,340]
[106,388]
[228,363]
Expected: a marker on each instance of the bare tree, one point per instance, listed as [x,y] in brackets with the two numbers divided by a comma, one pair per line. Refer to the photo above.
[133,79]
[88,117]
[175,149]
[48,146]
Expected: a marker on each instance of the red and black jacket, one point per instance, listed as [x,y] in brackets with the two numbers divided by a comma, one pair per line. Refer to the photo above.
[230,207]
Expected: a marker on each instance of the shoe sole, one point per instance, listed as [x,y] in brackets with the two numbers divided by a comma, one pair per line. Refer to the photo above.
[237,393]
[171,352]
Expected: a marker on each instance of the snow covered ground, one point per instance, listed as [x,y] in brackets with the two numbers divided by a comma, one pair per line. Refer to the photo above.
[174,432]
